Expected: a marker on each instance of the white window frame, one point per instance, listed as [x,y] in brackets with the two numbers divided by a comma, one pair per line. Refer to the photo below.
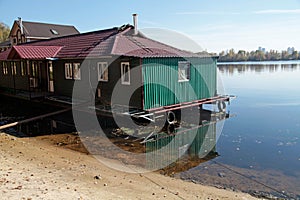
[102,71]
[5,68]
[125,65]
[23,68]
[13,68]
[68,71]
[184,69]
[76,71]
[34,68]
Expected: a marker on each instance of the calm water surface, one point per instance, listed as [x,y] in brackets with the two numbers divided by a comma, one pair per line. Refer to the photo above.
[262,142]
[259,147]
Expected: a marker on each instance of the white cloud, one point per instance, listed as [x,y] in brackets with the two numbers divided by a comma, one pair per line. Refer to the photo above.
[207,13]
[150,23]
[293,11]
[172,38]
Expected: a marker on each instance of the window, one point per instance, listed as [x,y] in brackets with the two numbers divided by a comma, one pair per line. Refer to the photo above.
[23,69]
[102,71]
[5,68]
[183,71]
[54,32]
[34,68]
[50,67]
[125,73]
[19,37]
[68,71]
[27,67]
[13,68]
[72,71]
[76,71]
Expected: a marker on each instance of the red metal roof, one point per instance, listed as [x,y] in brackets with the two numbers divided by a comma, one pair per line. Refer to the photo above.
[136,46]
[34,52]
[115,41]
[4,54]
[81,45]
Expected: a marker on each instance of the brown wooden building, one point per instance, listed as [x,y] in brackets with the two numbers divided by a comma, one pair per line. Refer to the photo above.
[26,31]
[148,73]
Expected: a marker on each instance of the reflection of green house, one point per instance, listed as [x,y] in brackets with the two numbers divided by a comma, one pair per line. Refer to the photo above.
[195,144]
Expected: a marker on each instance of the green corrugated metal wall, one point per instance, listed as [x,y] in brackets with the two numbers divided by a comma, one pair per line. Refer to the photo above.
[200,142]
[161,86]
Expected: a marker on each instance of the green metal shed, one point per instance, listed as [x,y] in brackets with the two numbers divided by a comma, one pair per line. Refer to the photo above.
[162,86]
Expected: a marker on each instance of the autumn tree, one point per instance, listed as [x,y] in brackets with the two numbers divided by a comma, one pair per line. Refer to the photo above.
[4,32]
[241,56]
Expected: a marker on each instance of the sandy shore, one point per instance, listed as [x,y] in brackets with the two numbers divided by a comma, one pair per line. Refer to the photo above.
[34,168]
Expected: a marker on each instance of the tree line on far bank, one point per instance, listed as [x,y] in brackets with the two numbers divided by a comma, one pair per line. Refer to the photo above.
[272,55]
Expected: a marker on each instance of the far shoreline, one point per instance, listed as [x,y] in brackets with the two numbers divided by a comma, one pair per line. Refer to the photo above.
[259,62]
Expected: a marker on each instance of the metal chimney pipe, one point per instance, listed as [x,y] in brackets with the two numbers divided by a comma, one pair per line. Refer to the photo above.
[135,22]
[21,25]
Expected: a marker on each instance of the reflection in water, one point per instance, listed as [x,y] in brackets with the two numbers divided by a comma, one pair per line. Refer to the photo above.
[184,145]
[259,148]
[189,148]
[231,68]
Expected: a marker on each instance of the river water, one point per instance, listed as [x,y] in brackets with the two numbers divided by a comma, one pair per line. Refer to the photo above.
[258,150]
[259,147]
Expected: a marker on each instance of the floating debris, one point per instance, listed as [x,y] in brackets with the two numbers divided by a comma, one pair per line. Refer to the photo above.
[266,195]
[127,131]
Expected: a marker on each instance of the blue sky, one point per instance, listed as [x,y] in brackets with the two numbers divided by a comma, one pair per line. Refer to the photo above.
[214,24]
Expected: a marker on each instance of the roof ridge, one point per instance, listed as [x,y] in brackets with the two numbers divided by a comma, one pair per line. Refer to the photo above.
[139,44]
[96,43]
[44,23]
[70,36]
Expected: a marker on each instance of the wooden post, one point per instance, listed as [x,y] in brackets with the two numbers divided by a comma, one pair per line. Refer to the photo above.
[12,66]
[28,75]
